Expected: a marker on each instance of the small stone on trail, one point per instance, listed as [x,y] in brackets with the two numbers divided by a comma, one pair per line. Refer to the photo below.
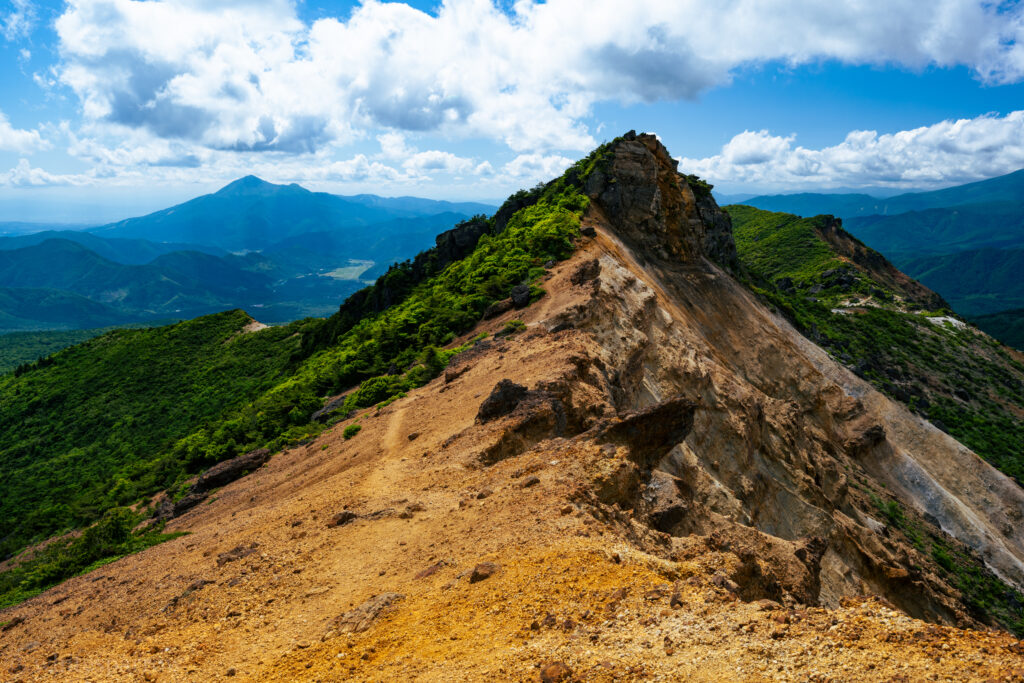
[555,672]
[342,518]
[530,481]
[431,570]
[414,436]
[484,570]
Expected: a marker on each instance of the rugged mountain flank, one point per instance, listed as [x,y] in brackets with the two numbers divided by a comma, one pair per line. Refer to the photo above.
[645,473]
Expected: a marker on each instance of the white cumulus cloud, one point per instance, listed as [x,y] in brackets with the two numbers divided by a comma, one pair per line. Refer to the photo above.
[248,75]
[944,153]
[19,140]
[25,175]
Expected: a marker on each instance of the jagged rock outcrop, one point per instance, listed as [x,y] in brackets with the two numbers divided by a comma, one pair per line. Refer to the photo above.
[652,205]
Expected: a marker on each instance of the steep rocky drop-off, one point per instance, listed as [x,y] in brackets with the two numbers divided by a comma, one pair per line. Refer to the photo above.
[659,479]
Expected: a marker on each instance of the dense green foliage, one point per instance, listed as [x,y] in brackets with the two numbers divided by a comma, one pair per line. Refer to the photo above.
[1007,327]
[109,539]
[963,382]
[25,348]
[87,432]
[976,282]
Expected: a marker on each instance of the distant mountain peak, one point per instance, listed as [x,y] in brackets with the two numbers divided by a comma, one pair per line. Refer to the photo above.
[246,184]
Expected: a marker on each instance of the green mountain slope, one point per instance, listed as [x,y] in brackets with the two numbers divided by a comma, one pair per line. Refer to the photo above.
[974,282]
[23,309]
[83,431]
[182,283]
[964,382]
[942,231]
[119,250]
[19,348]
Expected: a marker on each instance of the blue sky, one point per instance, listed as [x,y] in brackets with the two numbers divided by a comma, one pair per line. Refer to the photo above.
[114,107]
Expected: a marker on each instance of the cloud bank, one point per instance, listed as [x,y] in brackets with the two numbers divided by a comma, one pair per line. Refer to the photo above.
[945,153]
[163,87]
[248,75]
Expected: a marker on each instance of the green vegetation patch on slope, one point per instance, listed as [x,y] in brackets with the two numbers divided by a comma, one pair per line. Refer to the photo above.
[102,543]
[82,432]
[964,382]
[25,348]
[987,597]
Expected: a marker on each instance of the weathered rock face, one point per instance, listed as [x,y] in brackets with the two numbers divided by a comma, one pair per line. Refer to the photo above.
[788,452]
[653,207]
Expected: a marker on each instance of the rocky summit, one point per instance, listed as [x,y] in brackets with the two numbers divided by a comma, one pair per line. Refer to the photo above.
[646,473]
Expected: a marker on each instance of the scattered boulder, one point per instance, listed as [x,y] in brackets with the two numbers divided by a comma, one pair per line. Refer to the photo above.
[431,570]
[504,398]
[484,570]
[555,672]
[529,481]
[588,231]
[453,373]
[331,406]
[413,436]
[497,308]
[187,503]
[236,553]
[230,470]
[520,296]
[342,518]
[363,616]
[16,621]
[198,584]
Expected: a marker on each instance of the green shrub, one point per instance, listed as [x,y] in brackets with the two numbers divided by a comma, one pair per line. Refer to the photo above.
[351,431]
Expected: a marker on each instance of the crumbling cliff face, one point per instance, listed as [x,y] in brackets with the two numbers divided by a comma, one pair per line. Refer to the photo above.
[786,444]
